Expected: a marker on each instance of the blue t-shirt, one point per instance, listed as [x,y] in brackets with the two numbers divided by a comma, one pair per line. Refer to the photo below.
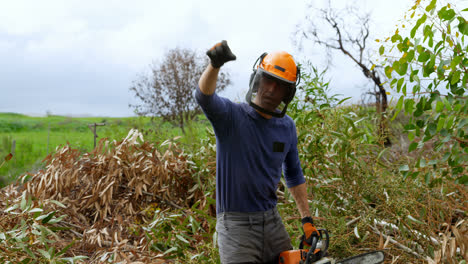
[251,152]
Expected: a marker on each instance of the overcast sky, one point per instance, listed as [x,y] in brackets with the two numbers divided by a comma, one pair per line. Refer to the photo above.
[79,57]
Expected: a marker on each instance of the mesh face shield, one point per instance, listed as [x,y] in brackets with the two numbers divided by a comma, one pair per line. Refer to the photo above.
[258,80]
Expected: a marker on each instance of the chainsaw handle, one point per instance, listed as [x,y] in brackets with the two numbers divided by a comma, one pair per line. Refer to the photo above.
[311,252]
[310,257]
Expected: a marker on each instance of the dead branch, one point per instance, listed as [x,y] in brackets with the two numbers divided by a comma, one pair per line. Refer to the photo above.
[396,243]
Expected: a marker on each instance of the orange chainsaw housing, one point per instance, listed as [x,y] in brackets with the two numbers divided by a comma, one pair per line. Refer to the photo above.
[294,256]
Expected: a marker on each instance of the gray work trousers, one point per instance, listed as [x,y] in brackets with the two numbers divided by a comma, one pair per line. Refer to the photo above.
[257,237]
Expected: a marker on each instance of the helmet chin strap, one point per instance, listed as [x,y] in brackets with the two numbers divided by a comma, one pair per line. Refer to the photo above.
[248,98]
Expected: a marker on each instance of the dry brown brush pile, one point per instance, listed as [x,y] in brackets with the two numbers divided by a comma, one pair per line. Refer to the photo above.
[108,193]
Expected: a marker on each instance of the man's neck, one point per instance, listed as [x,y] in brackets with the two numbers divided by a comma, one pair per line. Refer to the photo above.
[266,116]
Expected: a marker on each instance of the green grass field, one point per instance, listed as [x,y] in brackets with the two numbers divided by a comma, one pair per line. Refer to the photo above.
[35,137]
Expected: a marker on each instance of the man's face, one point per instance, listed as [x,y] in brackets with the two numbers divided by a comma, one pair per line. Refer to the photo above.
[271,92]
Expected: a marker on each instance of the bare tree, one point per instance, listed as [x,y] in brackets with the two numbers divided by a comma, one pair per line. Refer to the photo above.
[349,39]
[168,90]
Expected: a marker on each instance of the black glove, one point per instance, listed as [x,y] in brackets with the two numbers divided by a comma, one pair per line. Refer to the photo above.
[220,54]
[309,230]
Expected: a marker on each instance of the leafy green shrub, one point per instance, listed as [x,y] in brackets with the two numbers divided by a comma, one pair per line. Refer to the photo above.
[353,182]
[28,233]
[427,67]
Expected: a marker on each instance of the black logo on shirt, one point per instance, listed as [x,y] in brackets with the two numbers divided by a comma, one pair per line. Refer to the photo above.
[278,146]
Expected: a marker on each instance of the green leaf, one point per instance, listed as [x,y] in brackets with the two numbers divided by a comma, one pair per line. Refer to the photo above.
[399,103]
[418,23]
[462,180]
[343,100]
[399,83]
[388,71]
[409,105]
[456,60]
[432,128]
[396,65]
[446,14]
[11,208]
[381,153]
[412,147]
[431,5]
[424,56]
[410,55]
[462,123]
[440,123]
[181,238]
[23,201]
[427,31]
[58,203]
[404,168]
[415,220]
[381,50]
[449,124]
[439,106]
[47,218]
[445,157]
[169,250]
[324,106]
[398,107]
[413,31]
[429,67]
[56,220]
[396,38]
[337,134]
[27,250]
[422,163]
[455,77]
[357,135]
[462,26]
[44,253]
[437,47]
[403,68]
[36,210]
[418,112]
[447,104]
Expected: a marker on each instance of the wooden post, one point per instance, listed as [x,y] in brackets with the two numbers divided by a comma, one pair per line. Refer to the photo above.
[13,147]
[92,127]
[48,139]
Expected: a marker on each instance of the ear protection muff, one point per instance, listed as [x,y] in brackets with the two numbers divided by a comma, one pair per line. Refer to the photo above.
[291,95]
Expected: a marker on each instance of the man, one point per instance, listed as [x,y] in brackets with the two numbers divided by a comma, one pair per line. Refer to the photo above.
[255,142]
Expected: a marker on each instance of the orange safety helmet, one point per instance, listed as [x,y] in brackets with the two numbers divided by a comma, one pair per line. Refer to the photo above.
[281,66]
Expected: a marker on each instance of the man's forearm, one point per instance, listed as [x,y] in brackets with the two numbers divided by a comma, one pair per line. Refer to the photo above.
[299,193]
[207,82]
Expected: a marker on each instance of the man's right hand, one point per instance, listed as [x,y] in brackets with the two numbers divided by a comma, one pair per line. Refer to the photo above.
[309,230]
[220,54]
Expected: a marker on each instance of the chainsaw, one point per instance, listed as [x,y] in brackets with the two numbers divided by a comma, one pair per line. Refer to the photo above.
[317,254]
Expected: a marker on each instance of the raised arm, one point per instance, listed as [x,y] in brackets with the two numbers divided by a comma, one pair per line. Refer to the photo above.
[207,82]
[219,54]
